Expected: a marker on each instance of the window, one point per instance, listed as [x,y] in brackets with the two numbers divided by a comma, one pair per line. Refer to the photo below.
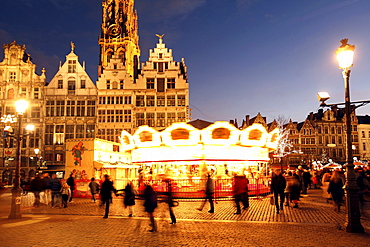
[171,83]
[49,130]
[83,83]
[332,130]
[80,131]
[70,129]
[101,118]
[150,100]
[108,84]
[127,116]
[36,93]
[80,109]
[150,83]
[160,55]
[101,100]
[340,140]
[161,101]
[339,130]
[150,119]
[60,84]
[12,76]
[71,66]
[35,112]
[71,86]
[23,92]
[119,100]
[363,134]
[110,116]
[59,109]
[140,100]
[70,109]
[59,135]
[140,119]
[50,108]
[161,119]
[180,100]
[181,116]
[34,138]
[90,131]
[171,117]
[59,157]
[121,84]
[128,100]
[171,100]
[91,108]
[119,116]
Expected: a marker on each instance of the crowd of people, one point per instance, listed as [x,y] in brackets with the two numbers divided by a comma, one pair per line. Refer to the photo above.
[287,187]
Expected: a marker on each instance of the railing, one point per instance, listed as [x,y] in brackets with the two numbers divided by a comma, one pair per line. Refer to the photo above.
[194,189]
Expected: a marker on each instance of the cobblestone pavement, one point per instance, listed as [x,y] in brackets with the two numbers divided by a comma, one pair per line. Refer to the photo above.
[81,224]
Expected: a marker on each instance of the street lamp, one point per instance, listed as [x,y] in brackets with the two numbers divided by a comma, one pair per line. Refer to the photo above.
[353,223]
[37,151]
[15,212]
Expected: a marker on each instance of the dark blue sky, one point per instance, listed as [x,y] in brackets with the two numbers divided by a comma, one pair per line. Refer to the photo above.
[243,56]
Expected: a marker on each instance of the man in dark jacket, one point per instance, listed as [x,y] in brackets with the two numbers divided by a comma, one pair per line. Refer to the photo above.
[240,189]
[278,184]
[37,185]
[106,194]
[55,186]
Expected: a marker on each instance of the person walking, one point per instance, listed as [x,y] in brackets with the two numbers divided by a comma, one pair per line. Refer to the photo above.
[306,179]
[336,190]
[278,185]
[46,198]
[66,193]
[107,188]
[170,201]
[240,190]
[129,198]
[37,185]
[150,204]
[72,186]
[94,189]
[210,189]
[55,186]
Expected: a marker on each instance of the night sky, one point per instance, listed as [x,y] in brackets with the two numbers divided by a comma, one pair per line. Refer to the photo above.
[243,56]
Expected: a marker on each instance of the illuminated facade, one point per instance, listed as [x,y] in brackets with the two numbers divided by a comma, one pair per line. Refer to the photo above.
[156,95]
[18,80]
[70,110]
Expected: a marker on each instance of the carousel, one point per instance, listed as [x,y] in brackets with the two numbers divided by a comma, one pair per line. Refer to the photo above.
[186,155]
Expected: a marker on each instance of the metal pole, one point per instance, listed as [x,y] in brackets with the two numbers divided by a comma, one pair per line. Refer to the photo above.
[15,211]
[353,222]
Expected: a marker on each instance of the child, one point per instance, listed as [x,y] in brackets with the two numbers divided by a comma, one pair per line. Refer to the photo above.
[66,193]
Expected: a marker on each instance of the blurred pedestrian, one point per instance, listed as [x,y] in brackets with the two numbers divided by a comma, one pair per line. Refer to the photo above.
[129,198]
[55,187]
[37,185]
[240,190]
[209,190]
[362,184]
[107,188]
[150,205]
[72,186]
[66,193]
[306,179]
[336,190]
[294,190]
[94,189]
[46,195]
[278,185]
[170,201]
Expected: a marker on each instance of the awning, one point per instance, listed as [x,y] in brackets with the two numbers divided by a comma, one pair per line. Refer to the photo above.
[106,165]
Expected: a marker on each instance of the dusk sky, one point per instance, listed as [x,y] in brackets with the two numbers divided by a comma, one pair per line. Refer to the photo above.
[243,56]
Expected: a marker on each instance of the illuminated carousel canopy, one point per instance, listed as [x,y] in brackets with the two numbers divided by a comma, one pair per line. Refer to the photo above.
[181,142]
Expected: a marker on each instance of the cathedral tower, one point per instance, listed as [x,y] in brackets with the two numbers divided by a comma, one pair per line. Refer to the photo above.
[119,35]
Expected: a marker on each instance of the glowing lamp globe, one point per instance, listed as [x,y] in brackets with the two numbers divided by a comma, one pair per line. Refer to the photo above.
[21,106]
[345,54]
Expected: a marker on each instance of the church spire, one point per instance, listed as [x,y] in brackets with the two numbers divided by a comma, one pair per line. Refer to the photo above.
[119,35]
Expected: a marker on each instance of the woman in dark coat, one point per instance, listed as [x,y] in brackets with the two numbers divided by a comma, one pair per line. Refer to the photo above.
[129,199]
[170,201]
[336,190]
[150,204]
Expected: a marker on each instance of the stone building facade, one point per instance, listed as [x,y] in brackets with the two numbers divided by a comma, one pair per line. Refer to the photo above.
[18,80]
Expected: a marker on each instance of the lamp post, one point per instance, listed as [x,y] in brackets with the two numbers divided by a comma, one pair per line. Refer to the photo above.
[36,150]
[15,211]
[353,223]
